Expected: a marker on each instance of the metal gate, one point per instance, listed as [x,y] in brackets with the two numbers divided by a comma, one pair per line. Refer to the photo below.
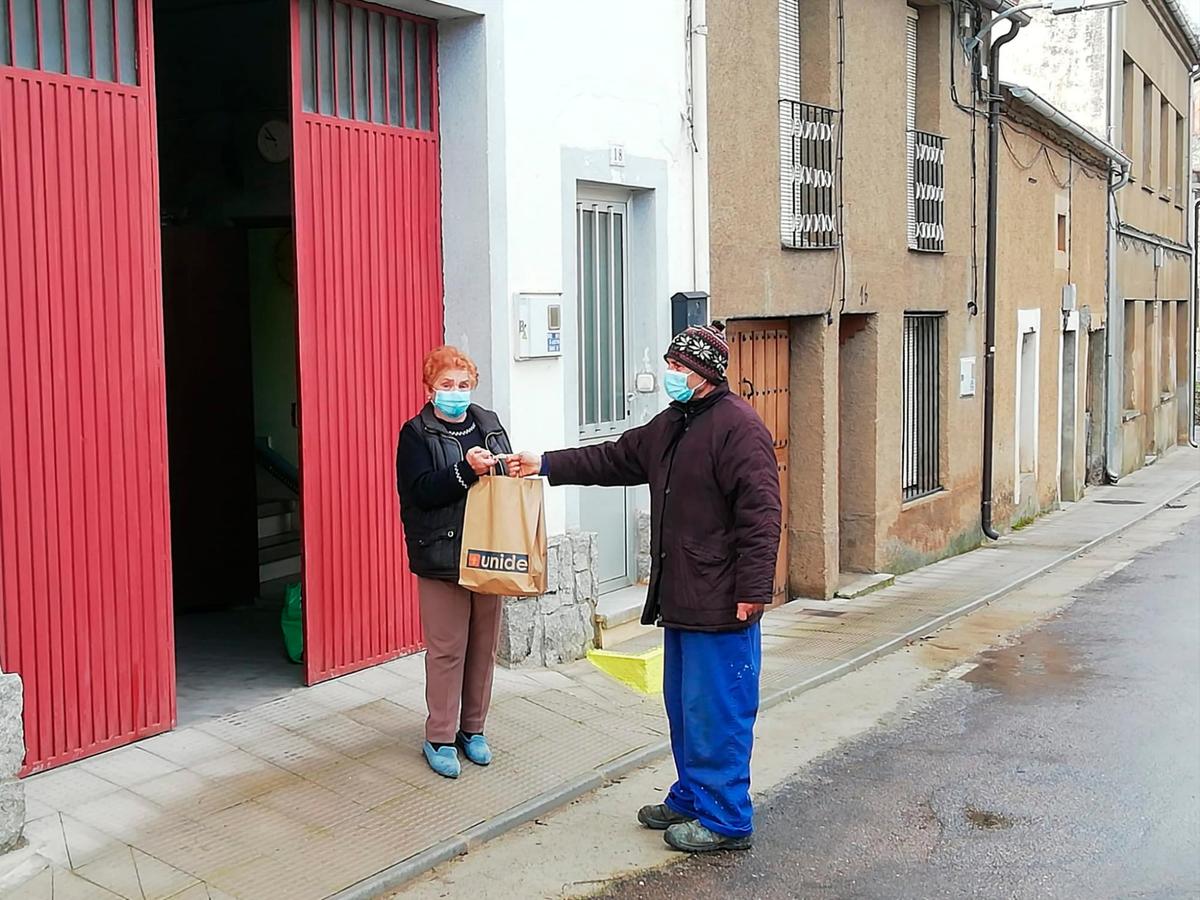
[758,370]
[85,590]
[369,280]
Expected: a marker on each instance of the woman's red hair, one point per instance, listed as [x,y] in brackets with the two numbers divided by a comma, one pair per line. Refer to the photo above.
[439,359]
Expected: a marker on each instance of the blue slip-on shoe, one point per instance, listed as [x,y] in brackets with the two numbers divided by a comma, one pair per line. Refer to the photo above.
[475,748]
[444,761]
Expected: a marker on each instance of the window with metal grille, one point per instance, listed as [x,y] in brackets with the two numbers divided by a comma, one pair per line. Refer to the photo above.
[925,160]
[83,38]
[806,149]
[601,297]
[357,62]
[920,402]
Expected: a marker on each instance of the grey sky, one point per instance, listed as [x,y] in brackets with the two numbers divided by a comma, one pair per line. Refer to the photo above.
[1192,8]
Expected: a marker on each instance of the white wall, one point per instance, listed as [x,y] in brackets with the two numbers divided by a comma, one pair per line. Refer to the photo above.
[579,75]
[533,93]
[1065,60]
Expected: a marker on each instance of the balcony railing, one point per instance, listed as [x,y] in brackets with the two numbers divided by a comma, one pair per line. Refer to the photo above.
[927,190]
[807,162]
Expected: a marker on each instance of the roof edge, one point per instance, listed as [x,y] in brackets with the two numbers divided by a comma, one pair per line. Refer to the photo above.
[1180,19]
[1048,111]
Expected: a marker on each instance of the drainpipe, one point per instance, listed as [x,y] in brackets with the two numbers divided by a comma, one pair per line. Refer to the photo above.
[698,38]
[1114,314]
[1114,334]
[1195,304]
[989,359]
[1192,237]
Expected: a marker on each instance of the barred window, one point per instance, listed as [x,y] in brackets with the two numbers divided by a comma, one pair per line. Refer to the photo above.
[926,152]
[806,149]
[920,402]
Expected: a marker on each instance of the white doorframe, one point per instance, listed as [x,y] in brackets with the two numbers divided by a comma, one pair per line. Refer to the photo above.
[1070,338]
[1029,321]
[596,200]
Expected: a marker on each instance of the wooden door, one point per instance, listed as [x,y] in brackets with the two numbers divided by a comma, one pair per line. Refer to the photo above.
[758,371]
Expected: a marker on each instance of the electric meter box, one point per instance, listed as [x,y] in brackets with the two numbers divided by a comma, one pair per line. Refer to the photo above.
[539,326]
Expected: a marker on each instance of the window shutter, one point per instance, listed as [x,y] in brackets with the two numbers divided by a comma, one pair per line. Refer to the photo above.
[910,120]
[789,49]
[789,93]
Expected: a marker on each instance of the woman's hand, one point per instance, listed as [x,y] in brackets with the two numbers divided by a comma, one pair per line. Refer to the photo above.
[480,460]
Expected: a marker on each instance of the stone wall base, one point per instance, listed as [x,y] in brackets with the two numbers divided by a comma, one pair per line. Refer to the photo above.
[559,626]
[12,753]
[643,547]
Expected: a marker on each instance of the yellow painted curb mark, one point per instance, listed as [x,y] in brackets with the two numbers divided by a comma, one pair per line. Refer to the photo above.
[641,671]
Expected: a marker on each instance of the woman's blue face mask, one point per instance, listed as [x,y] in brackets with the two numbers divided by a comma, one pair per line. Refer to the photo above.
[452,403]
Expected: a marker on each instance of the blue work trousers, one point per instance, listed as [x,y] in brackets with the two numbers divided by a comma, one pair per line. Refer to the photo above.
[710,688]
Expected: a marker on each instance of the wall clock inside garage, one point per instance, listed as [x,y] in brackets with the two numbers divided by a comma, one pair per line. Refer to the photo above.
[275,141]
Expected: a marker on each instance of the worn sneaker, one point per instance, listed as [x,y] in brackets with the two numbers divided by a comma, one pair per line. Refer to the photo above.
[475,748]
[660,817]
[443,760]
[692,837]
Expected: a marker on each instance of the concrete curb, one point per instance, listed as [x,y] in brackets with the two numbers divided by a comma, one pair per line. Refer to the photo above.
[395,876]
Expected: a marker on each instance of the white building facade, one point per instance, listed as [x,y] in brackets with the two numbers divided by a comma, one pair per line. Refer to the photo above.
[572,177]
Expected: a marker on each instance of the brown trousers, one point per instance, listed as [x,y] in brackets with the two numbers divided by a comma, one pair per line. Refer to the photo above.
[461,633]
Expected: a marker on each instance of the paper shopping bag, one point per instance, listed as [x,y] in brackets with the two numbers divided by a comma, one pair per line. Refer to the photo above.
[504,538]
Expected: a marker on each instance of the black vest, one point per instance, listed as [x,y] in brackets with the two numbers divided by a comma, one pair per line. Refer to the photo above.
[434,536]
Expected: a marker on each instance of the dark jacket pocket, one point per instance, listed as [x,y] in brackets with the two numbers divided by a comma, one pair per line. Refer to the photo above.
[707,577]
[436,554]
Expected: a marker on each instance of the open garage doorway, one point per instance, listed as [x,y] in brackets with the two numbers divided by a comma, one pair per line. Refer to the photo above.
[222,78]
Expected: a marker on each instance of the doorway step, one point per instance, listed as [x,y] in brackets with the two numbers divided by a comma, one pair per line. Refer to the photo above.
[857,584]
[619,616]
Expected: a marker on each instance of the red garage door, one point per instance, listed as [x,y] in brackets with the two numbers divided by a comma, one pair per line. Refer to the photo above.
[85,590]
[370,304]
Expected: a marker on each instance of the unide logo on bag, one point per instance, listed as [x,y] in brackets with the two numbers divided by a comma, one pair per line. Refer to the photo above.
[492,561]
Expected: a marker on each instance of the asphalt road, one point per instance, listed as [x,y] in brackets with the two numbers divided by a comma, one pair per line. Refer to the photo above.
[1065,766]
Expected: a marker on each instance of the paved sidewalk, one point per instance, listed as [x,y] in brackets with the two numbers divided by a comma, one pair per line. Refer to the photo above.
[324,792]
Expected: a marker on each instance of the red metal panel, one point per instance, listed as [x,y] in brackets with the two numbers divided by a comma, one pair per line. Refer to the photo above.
[369,281]
[85,593]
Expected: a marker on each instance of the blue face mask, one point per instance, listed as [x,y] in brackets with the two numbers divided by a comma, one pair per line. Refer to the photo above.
[452,403]
[676,386]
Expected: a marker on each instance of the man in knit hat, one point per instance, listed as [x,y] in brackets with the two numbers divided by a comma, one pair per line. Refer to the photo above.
[715,523]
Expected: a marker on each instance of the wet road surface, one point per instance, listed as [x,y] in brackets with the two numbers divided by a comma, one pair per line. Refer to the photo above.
[1067,765]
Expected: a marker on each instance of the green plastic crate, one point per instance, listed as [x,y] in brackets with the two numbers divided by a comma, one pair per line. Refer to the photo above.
[291,620]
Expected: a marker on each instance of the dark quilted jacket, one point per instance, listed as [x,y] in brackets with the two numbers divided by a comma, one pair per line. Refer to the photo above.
[714,501]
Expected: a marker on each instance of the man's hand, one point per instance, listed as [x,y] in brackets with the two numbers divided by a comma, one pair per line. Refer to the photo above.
[524,464]
[480,460]
[746,610]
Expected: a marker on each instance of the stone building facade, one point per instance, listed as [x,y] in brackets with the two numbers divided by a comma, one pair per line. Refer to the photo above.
[847,172]
[1127,73]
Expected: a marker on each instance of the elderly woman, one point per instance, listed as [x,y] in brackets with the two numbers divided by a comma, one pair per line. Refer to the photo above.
[442,451]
